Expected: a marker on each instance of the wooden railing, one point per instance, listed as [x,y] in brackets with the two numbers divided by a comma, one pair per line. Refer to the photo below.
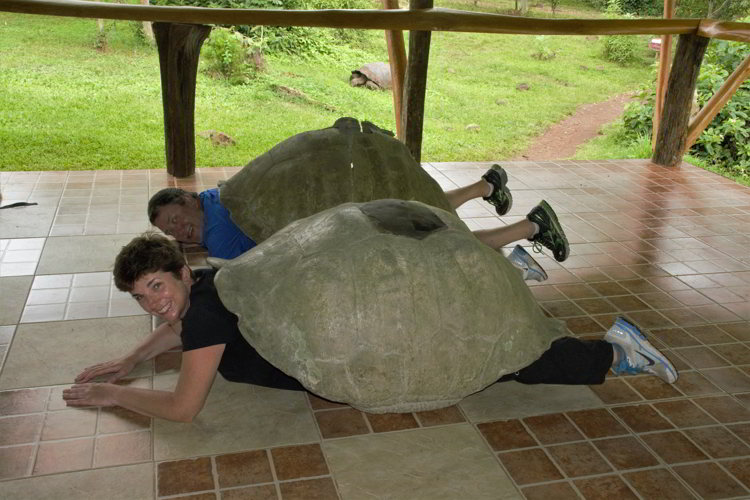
[181,38]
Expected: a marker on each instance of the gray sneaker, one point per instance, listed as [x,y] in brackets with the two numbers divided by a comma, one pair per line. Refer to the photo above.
[521,259]
[639,356]
[500,196]
[550,233]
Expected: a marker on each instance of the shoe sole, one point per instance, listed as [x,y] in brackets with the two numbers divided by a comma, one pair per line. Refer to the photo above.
[557,227]
[639,338]
[500,171]
[531,264]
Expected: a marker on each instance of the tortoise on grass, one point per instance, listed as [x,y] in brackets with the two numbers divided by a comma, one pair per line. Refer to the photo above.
[389,306]
[374,76]
[320,169]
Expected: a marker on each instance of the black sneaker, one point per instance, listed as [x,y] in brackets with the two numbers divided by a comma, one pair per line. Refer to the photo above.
[500,196]
[550,233]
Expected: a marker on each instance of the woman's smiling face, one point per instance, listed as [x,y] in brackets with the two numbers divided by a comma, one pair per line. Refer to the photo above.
[163,294]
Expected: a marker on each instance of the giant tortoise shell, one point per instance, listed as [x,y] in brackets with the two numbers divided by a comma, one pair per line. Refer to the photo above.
[374,76]
[320,169]
[389,306]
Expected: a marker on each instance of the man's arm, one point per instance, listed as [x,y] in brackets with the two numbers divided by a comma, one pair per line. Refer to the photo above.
[163,338]
[197,374]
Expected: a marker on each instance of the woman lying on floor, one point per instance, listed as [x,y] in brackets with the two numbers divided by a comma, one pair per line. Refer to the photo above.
[153,271]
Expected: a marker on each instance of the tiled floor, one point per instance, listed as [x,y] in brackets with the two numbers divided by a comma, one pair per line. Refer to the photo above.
[670,249]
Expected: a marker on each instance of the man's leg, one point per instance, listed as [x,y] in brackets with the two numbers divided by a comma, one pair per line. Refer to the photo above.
[541,227]
[491,187]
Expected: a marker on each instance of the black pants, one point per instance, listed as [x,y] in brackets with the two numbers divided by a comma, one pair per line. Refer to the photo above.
[568,361]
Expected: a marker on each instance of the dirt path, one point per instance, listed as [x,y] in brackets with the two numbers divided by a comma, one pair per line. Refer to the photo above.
[561,140]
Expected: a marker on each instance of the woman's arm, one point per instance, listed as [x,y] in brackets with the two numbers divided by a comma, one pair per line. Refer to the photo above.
[197,374]
[163,338]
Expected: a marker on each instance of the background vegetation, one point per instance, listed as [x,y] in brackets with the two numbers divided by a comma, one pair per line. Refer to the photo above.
[723,147]
[67,105]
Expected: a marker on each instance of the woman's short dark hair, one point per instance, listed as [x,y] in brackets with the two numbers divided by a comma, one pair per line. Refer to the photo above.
[167,196]
[147,253]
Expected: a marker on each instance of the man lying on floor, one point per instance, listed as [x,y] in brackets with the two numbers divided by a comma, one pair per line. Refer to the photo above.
[153,270]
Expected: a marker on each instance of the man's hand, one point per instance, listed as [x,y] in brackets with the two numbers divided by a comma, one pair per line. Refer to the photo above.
[117,367]
[90,395]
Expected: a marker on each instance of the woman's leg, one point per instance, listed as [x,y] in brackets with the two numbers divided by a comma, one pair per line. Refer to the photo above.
[572,361]
[568,361]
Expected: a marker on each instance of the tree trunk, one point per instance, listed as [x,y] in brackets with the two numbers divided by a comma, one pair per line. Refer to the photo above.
[179,47]
[148,31]
[415,85]
[672,135]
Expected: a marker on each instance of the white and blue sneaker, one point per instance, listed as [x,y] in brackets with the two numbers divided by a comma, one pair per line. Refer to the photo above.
[530,268]
[636,354]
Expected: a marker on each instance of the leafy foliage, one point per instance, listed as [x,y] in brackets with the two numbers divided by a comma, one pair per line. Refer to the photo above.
[294,40]
[643,7]
[718,9]
[226,54]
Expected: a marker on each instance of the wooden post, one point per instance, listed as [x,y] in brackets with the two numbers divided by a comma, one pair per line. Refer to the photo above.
[415,86]
[708,112]
[670,141]
[397,60]
[665,53]
[179,47]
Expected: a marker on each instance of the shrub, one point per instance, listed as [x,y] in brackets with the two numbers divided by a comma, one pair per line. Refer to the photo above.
[226,54]
[643,7]
[638,116]
[621,49]
[542,51]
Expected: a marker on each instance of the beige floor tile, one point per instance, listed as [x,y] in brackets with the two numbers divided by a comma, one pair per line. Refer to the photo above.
[81,254]
[13,291]
[236,417]
[117,449]
[54,353]
[513,400]
[27,222]
[443,462]
[71,423]
[132,482]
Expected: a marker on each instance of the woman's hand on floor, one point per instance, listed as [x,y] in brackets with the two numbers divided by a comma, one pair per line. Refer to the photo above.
[89,395]
[117,367]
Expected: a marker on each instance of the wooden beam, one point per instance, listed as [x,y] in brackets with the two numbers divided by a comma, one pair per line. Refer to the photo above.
[670,142]
[415,85]
[419,20]
[397,60]
[665,57]
[179,47]
[708,112]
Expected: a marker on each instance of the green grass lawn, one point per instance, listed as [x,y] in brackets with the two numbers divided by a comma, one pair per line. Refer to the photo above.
[65,105]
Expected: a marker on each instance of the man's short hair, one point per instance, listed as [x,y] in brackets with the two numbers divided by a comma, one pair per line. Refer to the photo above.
[167,196]
[147,253]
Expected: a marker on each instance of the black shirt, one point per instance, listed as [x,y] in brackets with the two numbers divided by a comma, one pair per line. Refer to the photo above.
[207,322]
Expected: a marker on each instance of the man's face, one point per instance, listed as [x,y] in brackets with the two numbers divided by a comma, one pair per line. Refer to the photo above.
[183,222]
[163,294]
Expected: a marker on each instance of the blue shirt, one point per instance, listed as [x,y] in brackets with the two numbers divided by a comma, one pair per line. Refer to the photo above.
[221,237]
